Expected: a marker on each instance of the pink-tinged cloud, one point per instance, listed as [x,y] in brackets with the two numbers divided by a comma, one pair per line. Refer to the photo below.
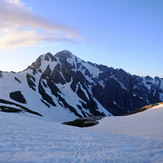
[20,27]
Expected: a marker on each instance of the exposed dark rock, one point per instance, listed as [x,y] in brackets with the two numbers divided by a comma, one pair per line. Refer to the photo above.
[79,77]
[49,57]
[56,75]
[66,105]
[34,71]
[67,72]
[84,122]
[106,70]
[81,94]
[63,55]
[153,96]
[17,96]
[45,96]
[124,78]
[30,81]
[92,64]
[17,80]
[92,106]
[37,63]
[14,109]
[113,98]
[45,103]
[73,86]
[46,73]
[1,74]
[122,97]
[54,89]
[9,109]
[78,65]
[106,101]
[99,93]
[44,84]
[87,73]
[148,78]
[103,76]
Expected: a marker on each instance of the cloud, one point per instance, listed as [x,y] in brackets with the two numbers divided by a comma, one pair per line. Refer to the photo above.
[16,2]
[19,26]
[26,38]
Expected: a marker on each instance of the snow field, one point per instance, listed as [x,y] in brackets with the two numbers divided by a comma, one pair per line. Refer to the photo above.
[147,124]
[25,139]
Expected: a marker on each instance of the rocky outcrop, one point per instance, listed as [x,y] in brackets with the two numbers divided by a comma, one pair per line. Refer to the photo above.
[37,63]
[49,57]
[17,80]
[85,122]
[0,74]
[17,96]
[31,81]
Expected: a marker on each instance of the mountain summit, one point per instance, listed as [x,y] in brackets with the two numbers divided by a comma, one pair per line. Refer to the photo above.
[62,87]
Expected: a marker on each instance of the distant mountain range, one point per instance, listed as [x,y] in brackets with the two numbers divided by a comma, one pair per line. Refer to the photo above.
[63,87]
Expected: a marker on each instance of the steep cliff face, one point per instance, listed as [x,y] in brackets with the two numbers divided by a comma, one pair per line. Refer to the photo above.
[63,87]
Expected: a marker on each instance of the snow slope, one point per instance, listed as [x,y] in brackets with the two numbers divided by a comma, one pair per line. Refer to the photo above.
[147,124]
[25,139]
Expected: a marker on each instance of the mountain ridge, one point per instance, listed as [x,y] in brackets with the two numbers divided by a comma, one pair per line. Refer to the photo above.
[64,87]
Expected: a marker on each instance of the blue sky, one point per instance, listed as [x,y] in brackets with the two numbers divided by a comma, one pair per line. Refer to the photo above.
[124,34]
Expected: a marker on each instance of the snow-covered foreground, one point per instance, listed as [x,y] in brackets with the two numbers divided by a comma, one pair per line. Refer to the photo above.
[25,139]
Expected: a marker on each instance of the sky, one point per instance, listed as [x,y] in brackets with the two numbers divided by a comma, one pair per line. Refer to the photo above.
[125,34]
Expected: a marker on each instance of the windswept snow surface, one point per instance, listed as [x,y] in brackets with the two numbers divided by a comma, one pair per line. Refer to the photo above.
[25,139]
[147,124]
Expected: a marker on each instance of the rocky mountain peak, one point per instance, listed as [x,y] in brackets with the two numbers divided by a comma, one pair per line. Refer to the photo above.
[36,64]
[63,55]
[43,61]
[48,56]
[67,86]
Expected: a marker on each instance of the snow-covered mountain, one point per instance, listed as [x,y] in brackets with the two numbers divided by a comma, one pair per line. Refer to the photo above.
[63,87]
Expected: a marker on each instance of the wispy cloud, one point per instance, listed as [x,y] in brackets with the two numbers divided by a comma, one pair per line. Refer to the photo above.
[19,26]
